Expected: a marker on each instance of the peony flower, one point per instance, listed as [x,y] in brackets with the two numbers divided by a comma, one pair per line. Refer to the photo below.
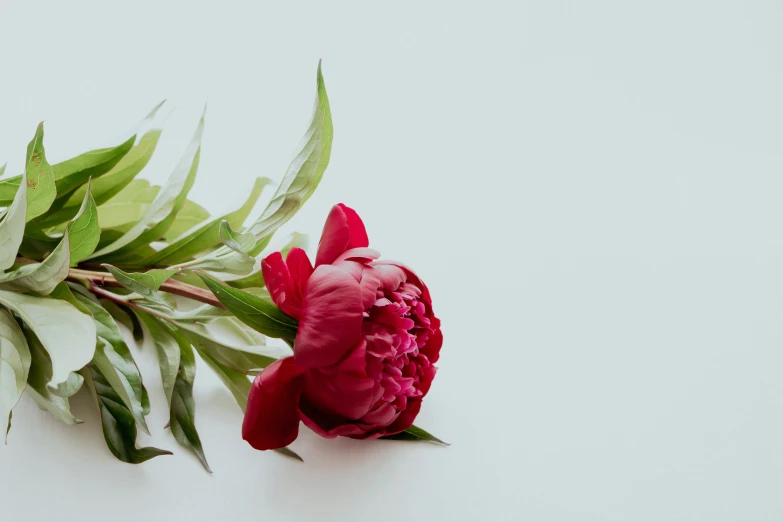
[364,349]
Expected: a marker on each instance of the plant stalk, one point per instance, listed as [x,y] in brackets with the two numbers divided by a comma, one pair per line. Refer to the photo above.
[98,279]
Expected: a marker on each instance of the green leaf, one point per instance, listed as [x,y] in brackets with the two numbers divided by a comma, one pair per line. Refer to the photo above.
[114,360]
[145,284]
[67,334]
[188,217]
[40,277]
[288,452]
[108,185]
[129,205]
[71,174]
[297,240]
[236,241]
[224,261]
[236,382]
[119,428]
[168,350]
[183,409]
[207,236]
[12,227]
[14,366]
[245,357]
[303,175]
[163,210]
[258,314]
[40,375]
[39,177]
[69,388]
[84,232]
[414,433]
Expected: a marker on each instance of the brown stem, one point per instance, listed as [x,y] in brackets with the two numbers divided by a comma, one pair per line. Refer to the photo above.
[98,279]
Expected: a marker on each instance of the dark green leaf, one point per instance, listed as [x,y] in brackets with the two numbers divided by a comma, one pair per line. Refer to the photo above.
[414,433]
[119,427]
[260,315]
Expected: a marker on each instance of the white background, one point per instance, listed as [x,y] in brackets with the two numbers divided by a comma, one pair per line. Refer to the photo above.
[592,190]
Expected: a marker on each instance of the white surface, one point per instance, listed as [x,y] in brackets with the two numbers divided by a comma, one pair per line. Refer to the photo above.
[592,190]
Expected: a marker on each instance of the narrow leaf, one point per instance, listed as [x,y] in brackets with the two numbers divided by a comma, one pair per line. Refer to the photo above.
[84,232]
[119,428]
[183,409]
[168,350]
[192,243]
[237,383]
[40,277]
[40,178]
[12,227]
[40,375]
[115,361]
[415,433]
[236,241]
[145,284]
[163,210]
[241,357]
[191,215]
[255,312]
[303,175]
[107,186]
[14,366]
[67,334]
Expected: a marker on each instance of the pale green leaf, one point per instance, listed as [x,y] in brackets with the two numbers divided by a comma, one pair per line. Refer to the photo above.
[66,334]
[84,232]
[236,241]
[40,375]
[226,262]
[303,175]
[71,174]
[191,215]
[145,284]
[168,350]
[14,366]
[207,236]
[239,356]
[236,382]
[129,205]
[108,185]
[69,388]
[12,227]
[39,177]
[163,210]
[40,277]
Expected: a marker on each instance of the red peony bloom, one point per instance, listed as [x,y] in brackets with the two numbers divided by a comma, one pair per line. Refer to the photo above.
[365,348]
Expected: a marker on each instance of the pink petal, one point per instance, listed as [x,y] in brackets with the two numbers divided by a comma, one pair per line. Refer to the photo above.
[343,230]
[342,390]
[301,269]
[406,418]
[331,319]
[272,415]
[280,285]
[363,255]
